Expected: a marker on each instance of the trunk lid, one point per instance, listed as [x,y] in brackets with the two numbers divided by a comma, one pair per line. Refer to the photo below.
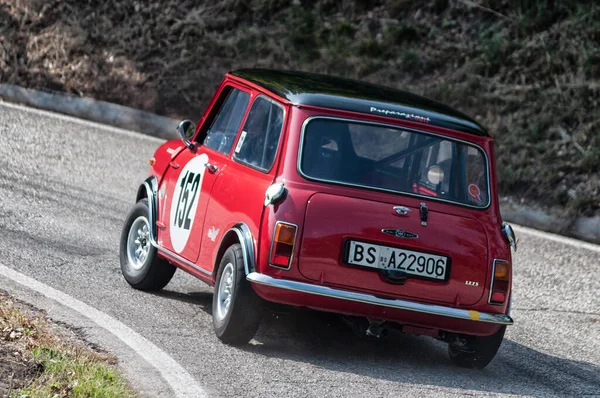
[333,221]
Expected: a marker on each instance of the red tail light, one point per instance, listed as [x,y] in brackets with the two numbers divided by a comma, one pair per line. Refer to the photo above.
[282,247]
[500,282]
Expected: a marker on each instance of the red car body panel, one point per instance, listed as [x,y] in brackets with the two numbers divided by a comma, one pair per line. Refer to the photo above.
[328,215]
[348,218]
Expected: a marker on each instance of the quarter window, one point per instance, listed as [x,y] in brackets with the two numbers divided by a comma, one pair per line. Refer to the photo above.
[259,140]
[224,128]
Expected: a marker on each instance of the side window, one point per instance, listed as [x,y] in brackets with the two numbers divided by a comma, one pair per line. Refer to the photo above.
[224,127]
[259,140]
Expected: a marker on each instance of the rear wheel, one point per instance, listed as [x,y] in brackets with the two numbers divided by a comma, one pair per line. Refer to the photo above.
[476,351]
[140,265]
[236,308]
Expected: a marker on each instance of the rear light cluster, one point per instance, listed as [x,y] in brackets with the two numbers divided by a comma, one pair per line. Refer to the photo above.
[500,282]
[282,247]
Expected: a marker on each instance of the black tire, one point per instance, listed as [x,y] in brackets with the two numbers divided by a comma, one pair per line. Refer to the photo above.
[155,272]
[239,323]
[478,352]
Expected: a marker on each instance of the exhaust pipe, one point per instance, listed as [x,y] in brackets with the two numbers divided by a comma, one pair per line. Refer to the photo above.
[366,326]
[377,328]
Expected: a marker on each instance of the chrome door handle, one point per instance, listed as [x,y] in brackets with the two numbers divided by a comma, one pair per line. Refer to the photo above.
[402,210]
[211,167]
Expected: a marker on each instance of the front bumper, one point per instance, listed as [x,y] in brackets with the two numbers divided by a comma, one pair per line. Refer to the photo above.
[405,305]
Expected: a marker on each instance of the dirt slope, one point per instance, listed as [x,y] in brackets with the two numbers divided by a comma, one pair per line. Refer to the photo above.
[529,70]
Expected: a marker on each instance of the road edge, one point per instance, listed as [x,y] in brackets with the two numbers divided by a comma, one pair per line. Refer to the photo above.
[583,228]
[91,109]
[179,380]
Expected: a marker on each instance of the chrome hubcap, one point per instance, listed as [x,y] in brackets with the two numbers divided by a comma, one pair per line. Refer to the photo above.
[225,292]
[138,243]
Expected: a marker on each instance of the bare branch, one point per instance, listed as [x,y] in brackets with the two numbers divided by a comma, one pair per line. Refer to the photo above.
[473,4]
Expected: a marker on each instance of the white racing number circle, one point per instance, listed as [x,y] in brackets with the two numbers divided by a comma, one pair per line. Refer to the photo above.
[185,201]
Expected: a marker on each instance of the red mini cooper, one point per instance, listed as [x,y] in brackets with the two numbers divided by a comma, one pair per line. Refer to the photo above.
[336,195]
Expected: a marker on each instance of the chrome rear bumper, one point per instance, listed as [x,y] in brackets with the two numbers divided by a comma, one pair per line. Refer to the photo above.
[432,309]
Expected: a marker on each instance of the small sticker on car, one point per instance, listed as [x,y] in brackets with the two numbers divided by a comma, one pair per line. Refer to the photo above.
[240,142]
[475,192]
[213,233]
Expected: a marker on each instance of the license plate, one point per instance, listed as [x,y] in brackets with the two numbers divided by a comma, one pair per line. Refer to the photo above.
[390,258]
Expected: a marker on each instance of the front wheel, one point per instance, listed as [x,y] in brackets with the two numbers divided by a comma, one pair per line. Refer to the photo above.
[236,308]
[477,351]
[140,265]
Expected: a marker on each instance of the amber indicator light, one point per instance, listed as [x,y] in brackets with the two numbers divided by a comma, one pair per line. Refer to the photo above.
[285,234]
[501,272]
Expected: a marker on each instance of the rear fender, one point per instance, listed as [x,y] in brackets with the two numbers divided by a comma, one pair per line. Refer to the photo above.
[239,233]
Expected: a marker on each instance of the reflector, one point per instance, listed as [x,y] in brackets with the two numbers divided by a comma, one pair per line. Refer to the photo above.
[498,297]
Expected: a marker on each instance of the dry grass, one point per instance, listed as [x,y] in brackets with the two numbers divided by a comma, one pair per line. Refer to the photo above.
[526,69]
[39,361]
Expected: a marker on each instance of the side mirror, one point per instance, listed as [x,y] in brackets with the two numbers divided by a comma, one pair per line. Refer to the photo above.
[186,130]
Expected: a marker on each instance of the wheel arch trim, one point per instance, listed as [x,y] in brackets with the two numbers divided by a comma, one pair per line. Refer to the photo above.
[240,232]
[150,187]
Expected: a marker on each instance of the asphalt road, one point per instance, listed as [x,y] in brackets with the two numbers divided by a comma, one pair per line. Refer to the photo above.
[65,188]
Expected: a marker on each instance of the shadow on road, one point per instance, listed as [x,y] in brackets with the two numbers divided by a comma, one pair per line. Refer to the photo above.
[202,299]
[322,340]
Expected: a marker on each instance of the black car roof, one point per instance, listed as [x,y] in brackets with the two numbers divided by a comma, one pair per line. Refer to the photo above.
[301,88]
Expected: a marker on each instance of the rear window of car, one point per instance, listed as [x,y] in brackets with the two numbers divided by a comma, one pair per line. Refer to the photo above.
[393,159]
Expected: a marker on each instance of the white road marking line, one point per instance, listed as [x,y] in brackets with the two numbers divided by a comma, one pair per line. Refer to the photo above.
[84,122]
[182,383]
[557,238]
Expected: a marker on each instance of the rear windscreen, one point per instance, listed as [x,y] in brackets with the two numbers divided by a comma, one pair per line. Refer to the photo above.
[393,159]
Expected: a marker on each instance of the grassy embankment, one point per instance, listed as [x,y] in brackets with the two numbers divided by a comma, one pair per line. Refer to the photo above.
[39,361]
